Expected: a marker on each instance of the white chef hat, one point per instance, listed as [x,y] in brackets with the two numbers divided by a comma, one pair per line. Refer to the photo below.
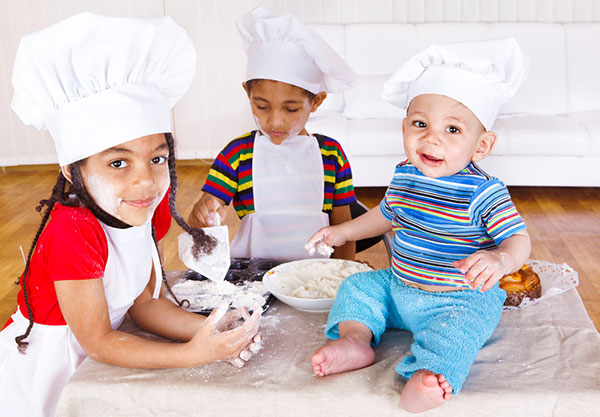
[281,48]
[96,81]
[481,75]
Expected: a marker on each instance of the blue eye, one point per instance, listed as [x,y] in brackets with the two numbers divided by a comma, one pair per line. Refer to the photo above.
[158,160]
[119,164]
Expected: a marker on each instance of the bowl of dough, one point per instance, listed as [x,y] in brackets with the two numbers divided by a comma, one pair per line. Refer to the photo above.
[310,284]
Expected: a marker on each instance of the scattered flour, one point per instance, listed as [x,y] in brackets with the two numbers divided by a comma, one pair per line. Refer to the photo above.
[208,295]
[316,279]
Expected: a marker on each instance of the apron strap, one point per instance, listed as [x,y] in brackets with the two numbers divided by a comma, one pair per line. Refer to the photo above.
[157,272]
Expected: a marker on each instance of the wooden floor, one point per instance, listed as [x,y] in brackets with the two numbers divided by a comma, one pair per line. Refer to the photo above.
[564,224]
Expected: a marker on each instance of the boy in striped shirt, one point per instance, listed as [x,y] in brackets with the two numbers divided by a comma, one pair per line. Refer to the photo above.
[285,183]
[457,231]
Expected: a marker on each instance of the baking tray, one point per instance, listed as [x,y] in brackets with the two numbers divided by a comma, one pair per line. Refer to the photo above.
[241,272]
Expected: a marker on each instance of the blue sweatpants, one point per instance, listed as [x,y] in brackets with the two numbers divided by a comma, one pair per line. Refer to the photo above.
[449,328]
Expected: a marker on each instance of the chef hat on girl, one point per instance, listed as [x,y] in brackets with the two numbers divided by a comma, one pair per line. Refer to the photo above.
[281,48]
[481,75]
[96,81]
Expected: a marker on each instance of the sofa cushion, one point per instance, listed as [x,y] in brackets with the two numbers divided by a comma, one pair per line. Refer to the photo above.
[583,67]
[541,135]
[364,100]
[590,121]
[379,48]
[374,137]
[331,124]
[545,89]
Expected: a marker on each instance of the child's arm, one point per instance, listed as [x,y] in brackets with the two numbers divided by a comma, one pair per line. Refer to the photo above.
[339,215]
[370,224]
[83,304]
[486,267]
[202,212]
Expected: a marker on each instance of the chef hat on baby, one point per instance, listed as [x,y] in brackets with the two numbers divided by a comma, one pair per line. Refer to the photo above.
[481,75]
[95,81]
[281,48]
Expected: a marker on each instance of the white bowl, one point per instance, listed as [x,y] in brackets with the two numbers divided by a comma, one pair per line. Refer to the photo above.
[312,305]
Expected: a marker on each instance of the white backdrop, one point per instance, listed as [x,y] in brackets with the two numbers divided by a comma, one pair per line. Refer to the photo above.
[216,109]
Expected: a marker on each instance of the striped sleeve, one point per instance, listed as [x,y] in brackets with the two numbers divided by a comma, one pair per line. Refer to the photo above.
[339,190]
[493,208]
[385,208]
[223,179]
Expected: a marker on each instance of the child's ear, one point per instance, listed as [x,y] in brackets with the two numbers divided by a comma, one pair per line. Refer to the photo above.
[66,171]
[246,89]
[403,126]
[318,100]
[485,145]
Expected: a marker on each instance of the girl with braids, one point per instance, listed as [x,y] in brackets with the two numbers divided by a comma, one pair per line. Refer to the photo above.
[103,87]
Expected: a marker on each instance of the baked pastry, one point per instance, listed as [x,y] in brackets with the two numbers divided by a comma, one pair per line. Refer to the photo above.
[524,283]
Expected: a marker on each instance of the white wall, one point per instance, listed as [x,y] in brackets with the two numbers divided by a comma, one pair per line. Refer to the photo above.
[216,110]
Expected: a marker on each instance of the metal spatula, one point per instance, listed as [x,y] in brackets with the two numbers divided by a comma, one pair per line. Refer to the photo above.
[213,266]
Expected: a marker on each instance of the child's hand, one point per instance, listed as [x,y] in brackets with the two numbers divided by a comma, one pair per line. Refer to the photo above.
[482,268]
[330,236]
[203,213]
[214,341]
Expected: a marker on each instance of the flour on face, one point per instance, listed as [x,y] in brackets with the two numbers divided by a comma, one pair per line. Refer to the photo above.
[104,194]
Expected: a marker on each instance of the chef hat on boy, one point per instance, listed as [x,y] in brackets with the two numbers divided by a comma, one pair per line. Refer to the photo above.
[281,48]
[481,75]
[95,81]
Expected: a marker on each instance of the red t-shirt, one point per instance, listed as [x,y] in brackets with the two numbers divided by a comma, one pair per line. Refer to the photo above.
[72,246]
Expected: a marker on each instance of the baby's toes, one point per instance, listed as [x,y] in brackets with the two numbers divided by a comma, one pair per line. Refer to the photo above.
[444,384]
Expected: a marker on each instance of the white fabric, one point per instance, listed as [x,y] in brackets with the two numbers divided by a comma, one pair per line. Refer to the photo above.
[288,183]
[95,81]
[30,384]
[481,75]
[281,48]
[541,361]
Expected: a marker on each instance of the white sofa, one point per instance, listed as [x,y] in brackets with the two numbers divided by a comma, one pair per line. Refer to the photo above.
[548,134]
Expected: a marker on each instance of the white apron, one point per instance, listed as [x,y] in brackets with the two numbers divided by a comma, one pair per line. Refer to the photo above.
[30,384]
[288,185]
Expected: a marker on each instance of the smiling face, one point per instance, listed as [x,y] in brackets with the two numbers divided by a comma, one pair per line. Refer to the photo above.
[280,109]
[441,135]
[128,181]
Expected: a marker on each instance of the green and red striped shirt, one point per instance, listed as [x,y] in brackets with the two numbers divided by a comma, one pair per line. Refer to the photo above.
[230,177]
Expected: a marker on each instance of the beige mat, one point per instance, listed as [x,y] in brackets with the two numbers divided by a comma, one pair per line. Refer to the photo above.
[541,361]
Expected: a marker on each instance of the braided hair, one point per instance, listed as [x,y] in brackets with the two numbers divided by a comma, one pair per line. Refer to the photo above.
[76,195]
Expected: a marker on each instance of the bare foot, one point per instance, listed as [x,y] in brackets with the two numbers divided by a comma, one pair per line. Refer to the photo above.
[340,355]
[424,391]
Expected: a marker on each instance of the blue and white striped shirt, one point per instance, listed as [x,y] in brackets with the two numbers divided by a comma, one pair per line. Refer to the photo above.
[441,220]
